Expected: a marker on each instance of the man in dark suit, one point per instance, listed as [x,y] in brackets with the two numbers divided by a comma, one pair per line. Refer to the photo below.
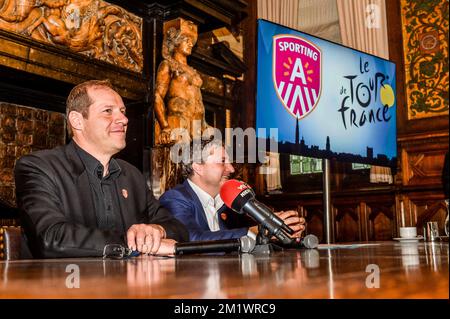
[197,203]
[77,198]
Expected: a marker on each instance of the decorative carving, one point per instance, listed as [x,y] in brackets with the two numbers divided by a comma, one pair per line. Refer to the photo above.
[347,228]
[425,37]
[91,27]
[382,227]
[429,42]
[380,222]
[23,130]
[415,162]
[165,173]
[421,166]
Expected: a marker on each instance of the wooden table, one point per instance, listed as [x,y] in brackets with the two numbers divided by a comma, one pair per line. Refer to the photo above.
[380,270]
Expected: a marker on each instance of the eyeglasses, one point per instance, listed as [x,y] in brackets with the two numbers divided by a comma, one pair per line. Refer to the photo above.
[117,251]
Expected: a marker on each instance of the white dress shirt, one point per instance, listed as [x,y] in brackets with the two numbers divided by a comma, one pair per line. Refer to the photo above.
[211,206]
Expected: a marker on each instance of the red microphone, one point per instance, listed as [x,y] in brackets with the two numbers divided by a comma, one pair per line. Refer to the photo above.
[240,197]
[233,190]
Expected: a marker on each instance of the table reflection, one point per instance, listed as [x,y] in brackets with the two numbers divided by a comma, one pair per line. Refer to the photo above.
[433,252]
[148,271]
[407,270]
[410,254]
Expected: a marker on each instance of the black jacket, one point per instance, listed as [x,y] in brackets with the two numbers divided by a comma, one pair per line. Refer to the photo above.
[57,211]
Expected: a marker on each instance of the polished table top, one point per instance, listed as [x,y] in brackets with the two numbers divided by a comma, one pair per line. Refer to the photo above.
[375,270]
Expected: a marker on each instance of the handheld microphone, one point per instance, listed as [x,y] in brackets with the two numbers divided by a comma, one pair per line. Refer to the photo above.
[240,197]
[274,218]
[244,244]
[310,241]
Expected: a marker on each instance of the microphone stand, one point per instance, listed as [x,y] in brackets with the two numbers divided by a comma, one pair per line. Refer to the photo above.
[263,244]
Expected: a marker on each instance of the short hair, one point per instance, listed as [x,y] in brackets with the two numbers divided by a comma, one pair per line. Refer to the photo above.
[79,99]
[195,154]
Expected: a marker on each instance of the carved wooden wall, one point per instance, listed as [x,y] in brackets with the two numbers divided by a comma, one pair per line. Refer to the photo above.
[358,215]
[23,130]
[422,64]
[425,43]
[93,28]
[73,41]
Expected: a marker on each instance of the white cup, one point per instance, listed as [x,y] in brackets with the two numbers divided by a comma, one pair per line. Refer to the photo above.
[408,232]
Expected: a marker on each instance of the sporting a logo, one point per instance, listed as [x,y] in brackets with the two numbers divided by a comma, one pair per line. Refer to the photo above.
[297,73]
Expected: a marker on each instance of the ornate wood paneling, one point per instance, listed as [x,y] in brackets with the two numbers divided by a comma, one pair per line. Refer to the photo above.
[369,217]
[406,126]
[23,54]
[315,225]
[359,215]
[347,226]
[247,97]
[422,159]
[381,221]
[93,28]
[425,42]
[422,88]
[23,130]
[381,227]
[313,215]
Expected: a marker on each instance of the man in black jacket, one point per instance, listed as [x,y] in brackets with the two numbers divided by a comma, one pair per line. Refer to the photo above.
[77,198]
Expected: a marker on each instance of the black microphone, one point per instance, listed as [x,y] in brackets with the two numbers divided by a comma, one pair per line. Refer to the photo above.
[240,197]
[274,218]
[244,244]
[309,241]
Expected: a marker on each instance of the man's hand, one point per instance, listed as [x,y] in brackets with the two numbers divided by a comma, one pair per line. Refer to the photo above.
[145,238]
[167,248]
[291,219]
[296,223]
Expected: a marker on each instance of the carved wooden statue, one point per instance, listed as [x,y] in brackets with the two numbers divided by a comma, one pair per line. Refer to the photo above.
[178,99]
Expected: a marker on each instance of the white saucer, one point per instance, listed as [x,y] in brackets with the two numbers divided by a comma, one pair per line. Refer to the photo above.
[409,240]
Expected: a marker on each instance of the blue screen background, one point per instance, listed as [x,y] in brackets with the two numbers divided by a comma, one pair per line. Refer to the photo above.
[325,120]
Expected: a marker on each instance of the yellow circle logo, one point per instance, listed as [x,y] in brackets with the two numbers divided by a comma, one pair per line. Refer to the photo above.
[387,95]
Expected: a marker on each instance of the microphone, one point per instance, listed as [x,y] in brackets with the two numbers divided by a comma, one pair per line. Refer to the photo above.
[274,218]
[244,244]
[240,197]
[310,241]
